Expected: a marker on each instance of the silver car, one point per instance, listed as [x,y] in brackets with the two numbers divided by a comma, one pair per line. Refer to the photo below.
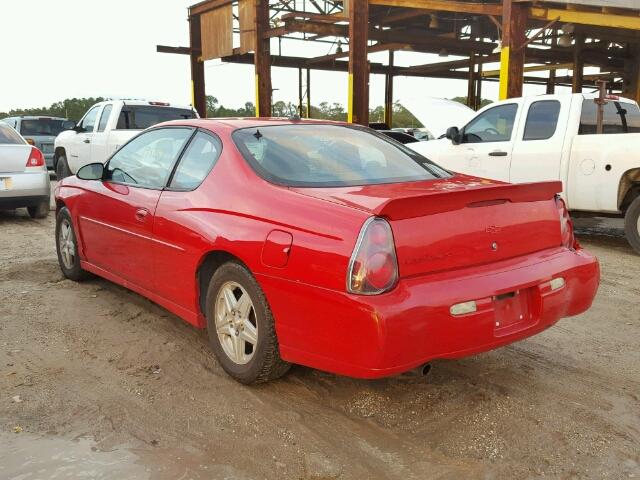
[40,132]
[24,179]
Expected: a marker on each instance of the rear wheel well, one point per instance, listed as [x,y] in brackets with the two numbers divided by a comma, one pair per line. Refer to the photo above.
[56,155]
[210,263]
[629,188]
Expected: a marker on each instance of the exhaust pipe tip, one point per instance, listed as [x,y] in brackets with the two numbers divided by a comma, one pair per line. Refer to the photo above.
[421,371]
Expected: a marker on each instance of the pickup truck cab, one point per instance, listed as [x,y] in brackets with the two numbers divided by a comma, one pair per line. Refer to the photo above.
[554,137]
[106,127]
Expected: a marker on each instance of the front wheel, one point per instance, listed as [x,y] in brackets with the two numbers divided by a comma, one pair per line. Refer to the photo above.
[632,224]
[67,247]
[241,327]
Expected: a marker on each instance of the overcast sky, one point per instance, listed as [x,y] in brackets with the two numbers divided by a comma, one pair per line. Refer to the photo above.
[57,49]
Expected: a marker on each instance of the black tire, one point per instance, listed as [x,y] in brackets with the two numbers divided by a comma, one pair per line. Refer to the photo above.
[632,224]
[265,363]
[73,271]
[62,168]
[39,211]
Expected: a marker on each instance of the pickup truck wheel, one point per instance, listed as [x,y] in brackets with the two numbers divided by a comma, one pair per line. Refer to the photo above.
[241,327]
[632,224]
[39,211]
[67,247]
[62,168]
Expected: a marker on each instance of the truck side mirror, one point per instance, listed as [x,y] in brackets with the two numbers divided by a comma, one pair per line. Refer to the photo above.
[453,134]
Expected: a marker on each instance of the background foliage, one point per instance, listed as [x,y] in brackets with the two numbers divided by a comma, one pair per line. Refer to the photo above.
[74,109]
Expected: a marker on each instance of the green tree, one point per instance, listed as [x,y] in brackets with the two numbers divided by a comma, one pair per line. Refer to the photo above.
[71,108]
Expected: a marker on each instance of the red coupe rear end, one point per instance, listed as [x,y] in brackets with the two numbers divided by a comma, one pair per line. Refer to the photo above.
[323,244]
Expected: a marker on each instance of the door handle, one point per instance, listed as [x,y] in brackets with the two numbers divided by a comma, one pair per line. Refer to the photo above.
[498,153]
[86,140]
[141,214]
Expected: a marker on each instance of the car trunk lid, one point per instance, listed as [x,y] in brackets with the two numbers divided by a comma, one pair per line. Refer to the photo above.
[13,158]
[458,222]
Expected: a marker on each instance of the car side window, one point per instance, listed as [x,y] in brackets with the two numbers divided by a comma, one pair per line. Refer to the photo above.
[104,118]
[542,120]
[89,120]
[196,163]
[493,125]
[147,160]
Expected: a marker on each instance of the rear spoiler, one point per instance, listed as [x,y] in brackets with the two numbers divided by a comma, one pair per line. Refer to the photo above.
[419,205]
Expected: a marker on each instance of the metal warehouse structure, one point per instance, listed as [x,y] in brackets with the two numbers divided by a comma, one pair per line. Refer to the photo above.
[522,36]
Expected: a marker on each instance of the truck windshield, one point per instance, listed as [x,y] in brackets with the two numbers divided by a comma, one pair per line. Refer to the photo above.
[141,117]
[330,156]
[41,127]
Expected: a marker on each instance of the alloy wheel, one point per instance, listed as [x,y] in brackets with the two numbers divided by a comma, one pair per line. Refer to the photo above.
[236,324]
[67,244]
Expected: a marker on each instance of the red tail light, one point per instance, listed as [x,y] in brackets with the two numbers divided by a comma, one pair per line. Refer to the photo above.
[36,159]
[373,268]
[566,225]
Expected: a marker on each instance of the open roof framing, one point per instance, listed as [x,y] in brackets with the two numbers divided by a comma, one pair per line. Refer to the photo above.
[524,37]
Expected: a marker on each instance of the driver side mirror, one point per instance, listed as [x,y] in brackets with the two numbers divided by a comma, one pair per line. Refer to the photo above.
[68,125]
[93,171]
[453,134]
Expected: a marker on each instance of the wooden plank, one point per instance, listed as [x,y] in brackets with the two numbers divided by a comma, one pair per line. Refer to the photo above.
[358,99]
[247,20]
[630,22]
[217,33]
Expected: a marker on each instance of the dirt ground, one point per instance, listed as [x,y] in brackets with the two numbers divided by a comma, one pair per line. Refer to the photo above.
[97,382]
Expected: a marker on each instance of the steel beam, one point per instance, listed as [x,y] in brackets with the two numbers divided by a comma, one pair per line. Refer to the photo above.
[198,95]
[262,60]
[358,65]
[514,24]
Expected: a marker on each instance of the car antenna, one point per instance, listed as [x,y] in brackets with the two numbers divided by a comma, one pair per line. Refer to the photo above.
[258,135]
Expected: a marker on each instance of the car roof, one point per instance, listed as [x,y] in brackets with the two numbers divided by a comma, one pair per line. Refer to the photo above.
[235,123]
[34,117]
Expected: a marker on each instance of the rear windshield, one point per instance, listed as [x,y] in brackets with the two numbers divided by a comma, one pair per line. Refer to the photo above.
[8,136]
[618,117]
[141,117]
[330,156]
[41,127]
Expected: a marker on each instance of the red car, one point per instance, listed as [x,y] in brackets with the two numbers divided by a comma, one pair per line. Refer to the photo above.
[322,244]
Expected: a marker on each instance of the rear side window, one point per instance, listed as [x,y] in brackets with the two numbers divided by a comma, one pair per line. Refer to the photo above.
[106,113]
[618,117]
[196,163]
[542,120]
[141,117]
[308,155]
[8,136]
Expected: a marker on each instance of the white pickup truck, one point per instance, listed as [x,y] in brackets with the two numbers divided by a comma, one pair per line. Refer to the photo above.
[106,127]
[555,137]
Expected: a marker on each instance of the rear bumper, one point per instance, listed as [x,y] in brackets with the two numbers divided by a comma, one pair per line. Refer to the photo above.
[371,337]
[26,189]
